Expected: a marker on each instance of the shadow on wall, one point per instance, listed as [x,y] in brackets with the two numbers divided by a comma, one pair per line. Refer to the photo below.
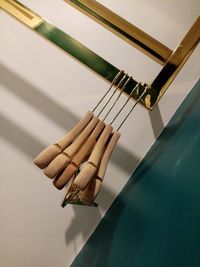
[53,111]
[29,145]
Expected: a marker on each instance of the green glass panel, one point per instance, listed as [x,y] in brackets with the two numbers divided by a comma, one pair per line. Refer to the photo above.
[155,220]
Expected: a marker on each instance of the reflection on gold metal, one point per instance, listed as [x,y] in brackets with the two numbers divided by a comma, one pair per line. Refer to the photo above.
[106,70]
[174,64]
[21,12]
[124,29]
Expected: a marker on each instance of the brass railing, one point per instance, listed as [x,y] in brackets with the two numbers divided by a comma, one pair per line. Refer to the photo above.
[172,60]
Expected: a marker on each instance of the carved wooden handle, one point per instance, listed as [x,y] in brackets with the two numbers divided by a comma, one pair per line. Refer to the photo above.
[48,154]
[88,171]
[106,156]
[99,147]
[78,158]
[61,161]
[74,147]
[91,191]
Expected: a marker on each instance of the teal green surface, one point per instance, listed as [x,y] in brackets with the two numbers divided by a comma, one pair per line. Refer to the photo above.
[155,220]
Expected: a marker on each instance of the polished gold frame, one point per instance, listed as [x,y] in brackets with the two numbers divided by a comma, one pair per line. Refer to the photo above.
[172,61]
[124,29]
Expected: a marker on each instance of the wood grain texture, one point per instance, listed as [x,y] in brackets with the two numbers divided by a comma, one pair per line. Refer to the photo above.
[57,165]
[88,171]
[46,156]
[70,136]
[93,188]
[74,147]
[49,153]
[79,157]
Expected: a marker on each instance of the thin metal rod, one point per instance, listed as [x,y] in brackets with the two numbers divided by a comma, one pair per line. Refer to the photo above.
[132,109]
[119,84]
[124,86]
[113,83]
[135,87]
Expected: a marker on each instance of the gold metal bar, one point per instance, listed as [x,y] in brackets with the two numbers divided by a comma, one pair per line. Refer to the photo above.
[174,65]
[104,68]
[21,12]
[64,42]
[124,29]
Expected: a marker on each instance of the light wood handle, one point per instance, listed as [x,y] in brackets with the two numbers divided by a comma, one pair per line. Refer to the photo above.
[62,180]
[89,144]
[106,156]
[99,147]
[57,165]
[88,171]
[60,162]
[79,157]
[84,177]
[75,131]
[48,154]
[91,191]
[74,147]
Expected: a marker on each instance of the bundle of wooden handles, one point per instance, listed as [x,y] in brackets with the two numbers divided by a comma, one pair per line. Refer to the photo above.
[81,157]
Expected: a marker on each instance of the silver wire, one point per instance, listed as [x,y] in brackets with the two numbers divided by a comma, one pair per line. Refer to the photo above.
[113,82]
[119,84]
[133,90]
[124,86]
[132,108]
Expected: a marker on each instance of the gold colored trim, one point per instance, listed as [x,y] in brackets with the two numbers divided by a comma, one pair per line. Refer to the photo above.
[174,64]
[66,43]
[124,29]
[104,68]
[21,12]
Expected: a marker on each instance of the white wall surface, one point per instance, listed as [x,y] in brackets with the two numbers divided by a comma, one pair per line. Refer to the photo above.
[44,91]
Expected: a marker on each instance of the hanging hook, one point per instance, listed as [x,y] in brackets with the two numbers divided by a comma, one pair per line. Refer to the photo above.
[119,84]
[133,90]
[112,84]
[124,86]
[144,92]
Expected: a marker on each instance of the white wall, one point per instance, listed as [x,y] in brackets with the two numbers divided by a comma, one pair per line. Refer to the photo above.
[44,92]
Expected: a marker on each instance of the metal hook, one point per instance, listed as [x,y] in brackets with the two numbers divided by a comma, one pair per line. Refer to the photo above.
[124,86]
[144,92]
[119,84]
[133,90]
[112,84]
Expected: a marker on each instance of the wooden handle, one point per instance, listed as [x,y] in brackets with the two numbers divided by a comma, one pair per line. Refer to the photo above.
[84,177]
[88,171]
[99,147]
[57,165]
[60,162]
[70,136]
[79,157]
[62,180]
[74,147]
[48,154]
[89,144]
[91,191]
[106,156]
